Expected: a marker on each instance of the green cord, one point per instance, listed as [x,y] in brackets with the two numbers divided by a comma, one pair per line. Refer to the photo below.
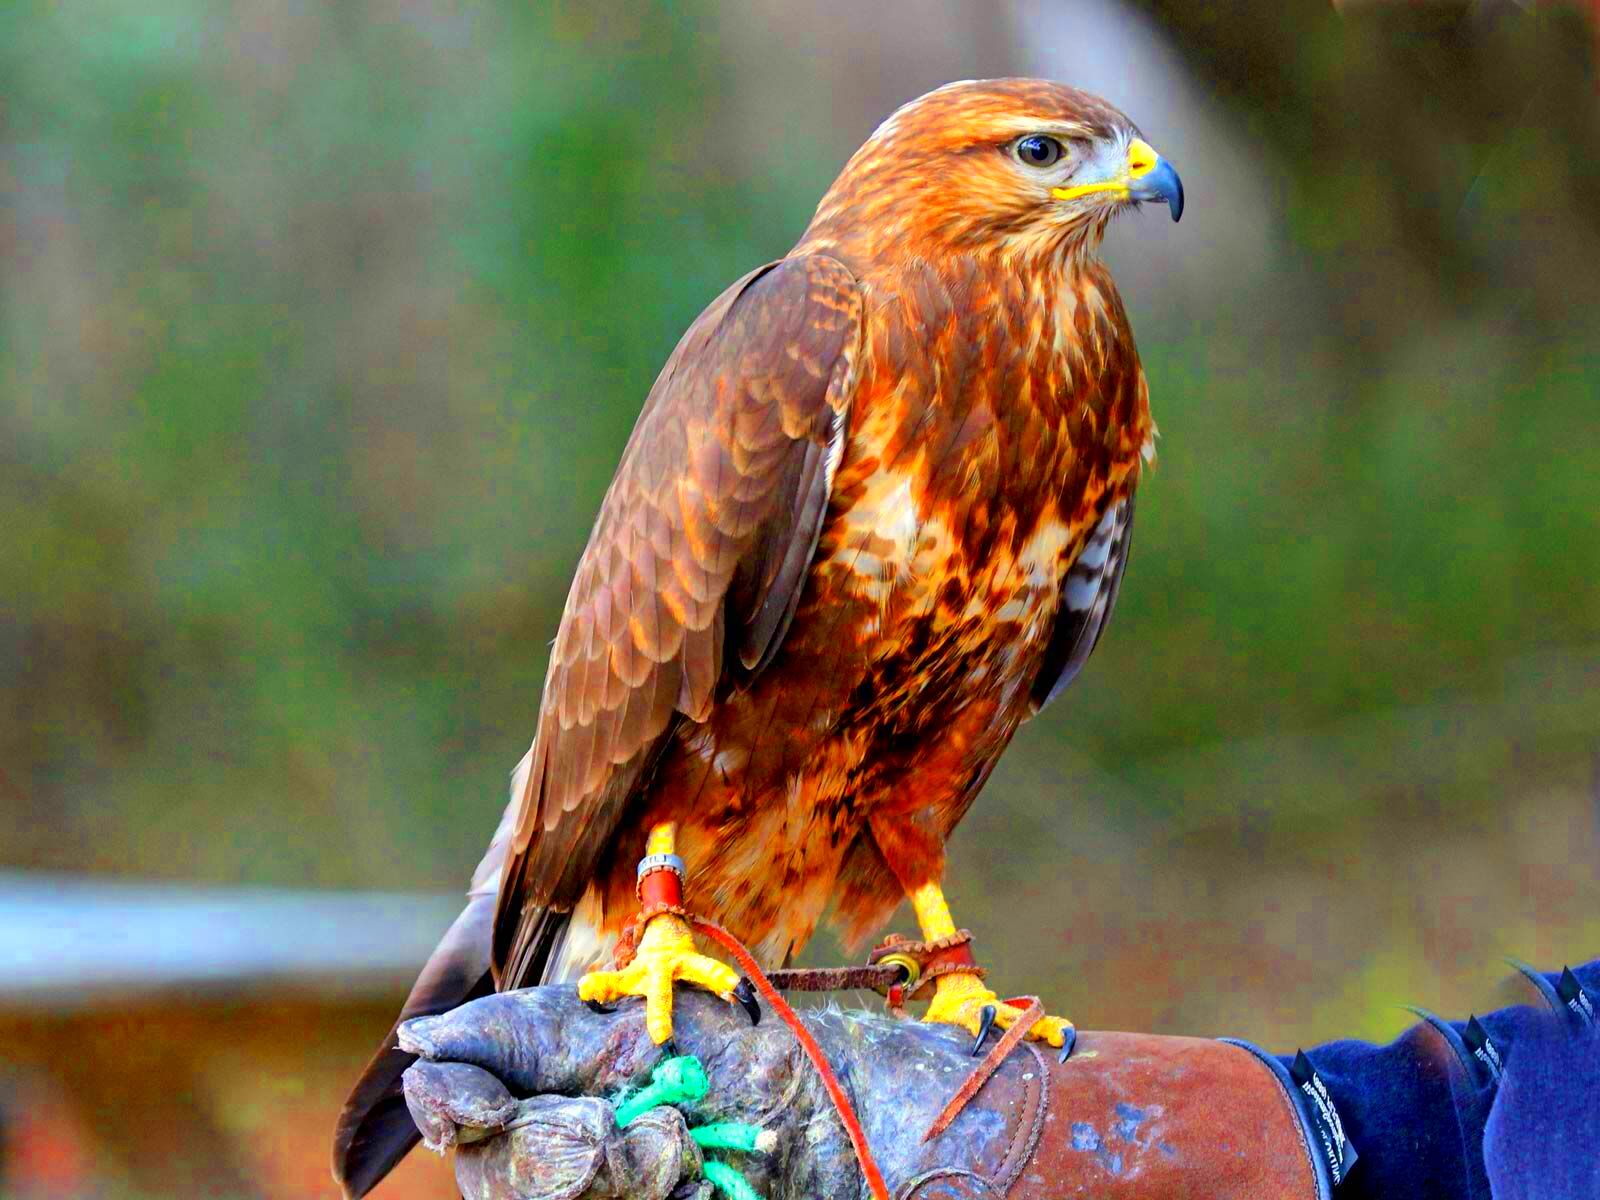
[682,1080]
[728,1181]
[675,1081]
[729,1135]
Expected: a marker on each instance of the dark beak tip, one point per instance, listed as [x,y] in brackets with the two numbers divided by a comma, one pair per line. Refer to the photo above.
[1174,192]
[1162,183]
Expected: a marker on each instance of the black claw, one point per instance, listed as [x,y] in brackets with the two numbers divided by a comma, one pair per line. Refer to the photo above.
[1069,1039]
[745,994]
[669,1048]
[985,1023]
[594,1006]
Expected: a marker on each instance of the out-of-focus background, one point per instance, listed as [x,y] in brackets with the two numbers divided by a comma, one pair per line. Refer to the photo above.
[322,326]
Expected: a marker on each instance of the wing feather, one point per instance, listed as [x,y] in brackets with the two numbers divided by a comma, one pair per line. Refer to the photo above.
[1087,598]
[705,534]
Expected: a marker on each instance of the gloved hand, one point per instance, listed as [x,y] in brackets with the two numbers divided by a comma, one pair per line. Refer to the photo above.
[524,1084]
[1502,1106]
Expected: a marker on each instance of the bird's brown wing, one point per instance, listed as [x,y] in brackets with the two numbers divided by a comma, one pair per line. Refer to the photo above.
[1087,598]
[692,571]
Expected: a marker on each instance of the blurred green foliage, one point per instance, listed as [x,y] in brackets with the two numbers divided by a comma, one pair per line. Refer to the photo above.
[323,327]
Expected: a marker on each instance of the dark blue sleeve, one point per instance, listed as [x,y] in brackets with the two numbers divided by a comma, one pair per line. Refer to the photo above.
[1413,1113]
[1542,1139]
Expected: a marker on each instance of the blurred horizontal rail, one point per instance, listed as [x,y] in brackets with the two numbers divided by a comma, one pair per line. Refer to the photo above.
[70,941]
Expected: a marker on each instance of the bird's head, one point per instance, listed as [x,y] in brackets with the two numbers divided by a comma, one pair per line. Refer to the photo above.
[1021,165]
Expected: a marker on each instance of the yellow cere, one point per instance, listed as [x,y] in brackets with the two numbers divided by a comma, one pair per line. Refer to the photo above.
[1142,158]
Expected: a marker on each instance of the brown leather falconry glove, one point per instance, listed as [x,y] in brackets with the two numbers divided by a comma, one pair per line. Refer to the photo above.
[524,1086]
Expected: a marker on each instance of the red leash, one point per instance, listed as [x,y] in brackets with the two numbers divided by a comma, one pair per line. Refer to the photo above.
[841,1102]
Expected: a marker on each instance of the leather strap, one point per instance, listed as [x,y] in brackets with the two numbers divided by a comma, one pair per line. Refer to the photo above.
[899,969]
[948,1183]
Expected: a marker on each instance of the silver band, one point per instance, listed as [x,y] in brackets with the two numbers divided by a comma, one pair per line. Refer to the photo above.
[662,862]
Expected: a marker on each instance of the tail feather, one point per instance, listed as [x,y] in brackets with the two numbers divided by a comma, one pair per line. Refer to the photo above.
[375,1129]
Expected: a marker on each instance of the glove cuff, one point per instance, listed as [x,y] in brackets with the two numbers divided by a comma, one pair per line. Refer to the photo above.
[1127,1117]
[1326,1149]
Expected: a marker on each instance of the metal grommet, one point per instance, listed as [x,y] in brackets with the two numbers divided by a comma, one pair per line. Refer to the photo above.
[662,862]
[906,963]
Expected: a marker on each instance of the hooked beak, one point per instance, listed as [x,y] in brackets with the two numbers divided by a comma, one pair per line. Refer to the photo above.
[1153,178]
[1144,176]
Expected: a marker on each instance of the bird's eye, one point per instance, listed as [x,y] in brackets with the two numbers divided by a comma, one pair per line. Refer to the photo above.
[1036,150]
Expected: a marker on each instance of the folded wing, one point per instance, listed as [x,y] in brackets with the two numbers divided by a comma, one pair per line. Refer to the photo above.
[690,576]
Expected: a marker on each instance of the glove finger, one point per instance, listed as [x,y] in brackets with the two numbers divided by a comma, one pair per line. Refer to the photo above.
[543,1040]
[537,1040]
[656,1154]
[554,1149]
[454,1102]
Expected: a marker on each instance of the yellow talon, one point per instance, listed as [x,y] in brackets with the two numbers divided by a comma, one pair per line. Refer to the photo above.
[665,955]
[960,999]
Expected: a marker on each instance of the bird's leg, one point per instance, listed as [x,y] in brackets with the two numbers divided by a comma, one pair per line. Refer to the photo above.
[666,951]
[960,998]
